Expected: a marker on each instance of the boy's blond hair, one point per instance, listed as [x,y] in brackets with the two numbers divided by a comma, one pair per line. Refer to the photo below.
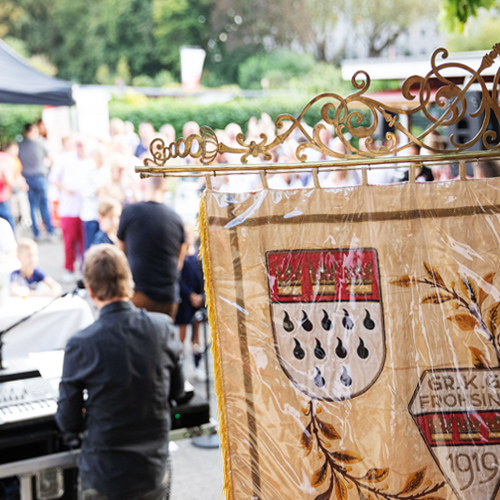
[24,244]
[107,272]
[105,206]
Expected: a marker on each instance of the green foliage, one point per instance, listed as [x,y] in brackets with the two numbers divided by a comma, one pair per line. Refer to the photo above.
[123,70]
[278,68]
[137,108]
[91,41]
[79,37]
[10,12]
[103,75]
[178,111]
[78,46]
[177,23]
[455,13]
[381,85]
[222,66]
[127,27]
[18,45]
[479,33]
[143,81]
[298,72]
[162,79]
[14,117]
[39,62]
[323,77]
[378,23]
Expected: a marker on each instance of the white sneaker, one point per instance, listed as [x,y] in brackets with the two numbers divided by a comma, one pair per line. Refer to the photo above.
[200,375]
[68,277]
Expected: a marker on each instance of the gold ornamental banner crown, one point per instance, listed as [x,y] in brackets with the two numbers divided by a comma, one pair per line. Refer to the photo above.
[344,115]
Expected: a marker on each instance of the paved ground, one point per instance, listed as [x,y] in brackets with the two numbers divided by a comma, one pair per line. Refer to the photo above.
[197,472]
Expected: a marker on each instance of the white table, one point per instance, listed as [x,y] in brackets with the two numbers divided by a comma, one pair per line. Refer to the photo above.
[46,330]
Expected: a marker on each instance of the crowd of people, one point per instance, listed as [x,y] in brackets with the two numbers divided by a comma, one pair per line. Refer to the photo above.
[85,189]
[63,184]
[86,192]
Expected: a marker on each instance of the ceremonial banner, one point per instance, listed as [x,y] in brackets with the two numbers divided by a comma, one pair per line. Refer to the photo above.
[356,340]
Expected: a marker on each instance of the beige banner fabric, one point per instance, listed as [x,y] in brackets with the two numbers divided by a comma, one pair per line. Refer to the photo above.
[356,340]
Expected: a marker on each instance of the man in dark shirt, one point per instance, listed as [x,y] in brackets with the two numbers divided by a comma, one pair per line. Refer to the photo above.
[152,236]
[127,364]
[34,155]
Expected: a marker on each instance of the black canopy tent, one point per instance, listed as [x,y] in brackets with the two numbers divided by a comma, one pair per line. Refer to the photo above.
[22,84]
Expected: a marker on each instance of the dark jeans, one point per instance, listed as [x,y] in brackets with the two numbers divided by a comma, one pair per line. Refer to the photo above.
[90,228]
[5,212]
[37,196]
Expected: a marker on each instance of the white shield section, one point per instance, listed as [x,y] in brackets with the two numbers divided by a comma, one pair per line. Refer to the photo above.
[331,351]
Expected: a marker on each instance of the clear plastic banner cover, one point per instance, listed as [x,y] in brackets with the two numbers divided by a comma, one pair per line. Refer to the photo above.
[356,337]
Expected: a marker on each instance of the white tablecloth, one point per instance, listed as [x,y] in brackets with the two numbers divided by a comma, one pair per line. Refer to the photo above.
[46,330]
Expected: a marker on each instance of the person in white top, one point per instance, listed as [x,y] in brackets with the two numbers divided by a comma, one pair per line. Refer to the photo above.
[8,260]
[7,242]
[284,181]
[68,175]
[97,179]
[339,178]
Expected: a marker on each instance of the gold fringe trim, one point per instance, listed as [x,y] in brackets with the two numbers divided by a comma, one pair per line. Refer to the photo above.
[227,488]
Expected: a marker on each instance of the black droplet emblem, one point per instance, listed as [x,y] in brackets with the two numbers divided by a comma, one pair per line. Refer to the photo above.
[298,352]
[326,322]
[288,326]
[319,352]
[344,378]
[368,322]
[306,323]
[318,379]
[340,350]
[363,352]
[347,321]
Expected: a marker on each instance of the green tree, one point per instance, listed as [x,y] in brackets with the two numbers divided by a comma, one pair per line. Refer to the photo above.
[67,32]
[277,67]
[260,23]
[79,45]
[479,33]
[10,12]
[323,17]
[455,13]
[81,36]
[34,25]
[378,23]
[178,23]
[127,26]
[241,29]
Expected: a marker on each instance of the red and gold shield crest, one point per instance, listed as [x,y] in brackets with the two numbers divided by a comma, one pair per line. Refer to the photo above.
[327,319]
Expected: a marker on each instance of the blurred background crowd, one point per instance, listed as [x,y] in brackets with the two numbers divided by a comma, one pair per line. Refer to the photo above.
[77,187]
